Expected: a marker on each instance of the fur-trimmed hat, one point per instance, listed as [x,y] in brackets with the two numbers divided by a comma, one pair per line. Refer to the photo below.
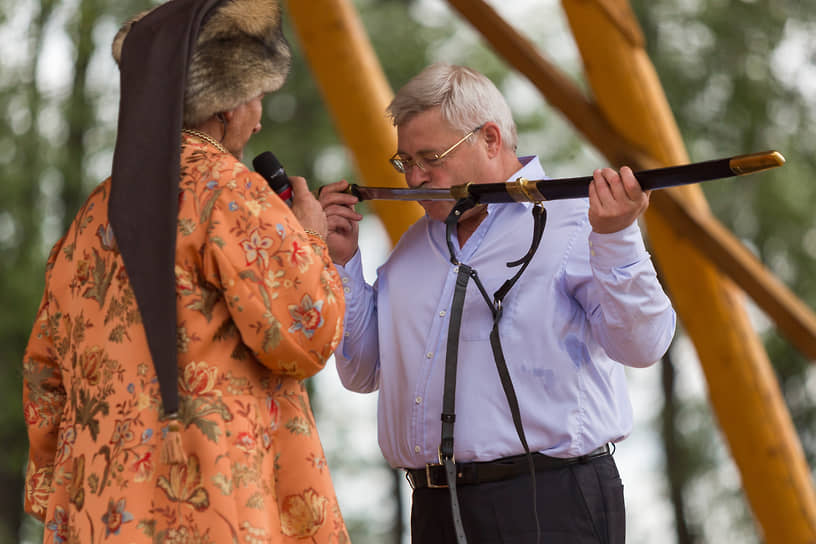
[240,52]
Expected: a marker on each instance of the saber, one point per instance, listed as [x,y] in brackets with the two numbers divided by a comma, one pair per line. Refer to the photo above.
[525,190]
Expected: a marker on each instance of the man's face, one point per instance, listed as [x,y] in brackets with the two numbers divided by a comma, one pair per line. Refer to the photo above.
[426,135]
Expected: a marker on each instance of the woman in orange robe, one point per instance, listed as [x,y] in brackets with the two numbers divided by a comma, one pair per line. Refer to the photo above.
[259,309]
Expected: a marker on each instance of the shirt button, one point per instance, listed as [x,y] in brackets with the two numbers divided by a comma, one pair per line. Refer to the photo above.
[418,400]
[346,334]
[347,289]
[346,280]
[417,449]
[429,355]
[442,313]
[456,269]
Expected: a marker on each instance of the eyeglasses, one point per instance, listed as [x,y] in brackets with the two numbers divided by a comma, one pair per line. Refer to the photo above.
[402,165]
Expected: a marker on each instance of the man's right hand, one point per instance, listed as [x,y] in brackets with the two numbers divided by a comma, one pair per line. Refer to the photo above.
[343,221]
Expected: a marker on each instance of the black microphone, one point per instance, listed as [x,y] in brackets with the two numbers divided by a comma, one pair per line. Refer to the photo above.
[268,166]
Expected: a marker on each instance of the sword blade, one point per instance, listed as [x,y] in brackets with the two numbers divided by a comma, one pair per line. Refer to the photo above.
[393,193]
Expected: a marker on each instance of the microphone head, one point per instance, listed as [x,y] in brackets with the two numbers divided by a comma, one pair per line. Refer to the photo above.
[268,166]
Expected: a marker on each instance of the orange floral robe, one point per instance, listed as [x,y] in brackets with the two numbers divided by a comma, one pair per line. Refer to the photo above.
[259,308]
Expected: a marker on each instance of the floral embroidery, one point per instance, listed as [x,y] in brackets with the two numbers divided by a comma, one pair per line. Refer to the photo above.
[115,517]
[91,363]
[83,271]
[143,467]
[318,462]
[65,446]
[254,207]
[245,442]
[38,487]
[76,489]
[302,515]
[184,281]
[184,484]
[273,409]
[59,525]
[307,316]
[256,247]
[106,239]
[121,433]
[199,379]
[31,414]
[301,257]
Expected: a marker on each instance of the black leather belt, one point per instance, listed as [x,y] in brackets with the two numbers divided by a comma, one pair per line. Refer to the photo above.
[433,475]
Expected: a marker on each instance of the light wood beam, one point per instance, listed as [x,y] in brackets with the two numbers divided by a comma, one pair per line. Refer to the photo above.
[356,93]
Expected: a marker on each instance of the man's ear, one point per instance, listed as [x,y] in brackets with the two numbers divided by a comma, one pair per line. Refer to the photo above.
[492,138]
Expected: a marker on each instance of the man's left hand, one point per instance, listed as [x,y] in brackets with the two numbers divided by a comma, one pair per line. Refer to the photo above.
[615,200]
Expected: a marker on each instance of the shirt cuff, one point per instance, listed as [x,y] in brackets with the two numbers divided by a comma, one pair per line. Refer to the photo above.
[351,276]
[617,249]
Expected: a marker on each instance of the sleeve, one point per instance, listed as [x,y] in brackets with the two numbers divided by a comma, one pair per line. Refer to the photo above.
[629,313]
[282,289]
[357,357]
[44,400]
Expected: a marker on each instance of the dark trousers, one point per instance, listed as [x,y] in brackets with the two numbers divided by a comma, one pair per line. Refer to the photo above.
[577,504]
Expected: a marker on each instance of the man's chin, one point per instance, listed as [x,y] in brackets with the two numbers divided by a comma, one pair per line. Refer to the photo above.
[437,210]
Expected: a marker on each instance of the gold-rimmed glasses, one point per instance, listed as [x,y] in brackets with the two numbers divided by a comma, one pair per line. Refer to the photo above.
[402,164]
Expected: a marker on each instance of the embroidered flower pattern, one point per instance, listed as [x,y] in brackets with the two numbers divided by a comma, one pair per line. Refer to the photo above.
[106,239]
[143,467]
[184,281]
[273,410]
[91,362]
[115,517]
[301,257]
[59,525]
[184,484]
[245,442]
[76,489]
[199,379]
[307,317]
[38,487]
[257,247]
[31,414]
[302,515]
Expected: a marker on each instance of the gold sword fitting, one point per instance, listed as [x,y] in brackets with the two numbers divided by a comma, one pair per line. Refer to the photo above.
[755,162]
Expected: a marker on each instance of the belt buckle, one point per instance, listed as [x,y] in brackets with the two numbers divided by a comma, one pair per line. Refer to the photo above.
[428,466]
[428,479]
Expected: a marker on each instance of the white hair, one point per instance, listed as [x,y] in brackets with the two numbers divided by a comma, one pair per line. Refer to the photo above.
[466,99]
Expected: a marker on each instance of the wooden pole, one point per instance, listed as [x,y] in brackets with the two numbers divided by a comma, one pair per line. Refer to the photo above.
[742,386]
[356,93]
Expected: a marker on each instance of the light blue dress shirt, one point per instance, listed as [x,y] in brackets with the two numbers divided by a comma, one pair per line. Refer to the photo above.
[587,305]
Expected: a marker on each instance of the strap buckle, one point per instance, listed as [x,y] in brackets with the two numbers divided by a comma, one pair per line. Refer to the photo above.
[439,457]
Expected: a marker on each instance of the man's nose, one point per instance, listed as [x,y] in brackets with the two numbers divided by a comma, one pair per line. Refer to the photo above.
[415,176]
